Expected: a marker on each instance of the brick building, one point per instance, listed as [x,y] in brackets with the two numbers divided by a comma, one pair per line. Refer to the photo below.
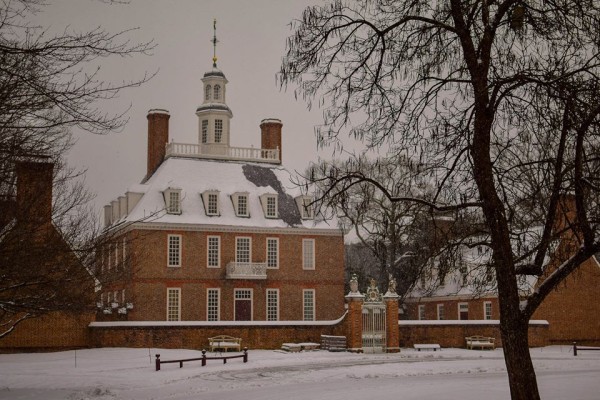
[218,233]
[468,293]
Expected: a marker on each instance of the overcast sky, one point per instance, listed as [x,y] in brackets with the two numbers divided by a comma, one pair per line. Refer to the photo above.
[251,34]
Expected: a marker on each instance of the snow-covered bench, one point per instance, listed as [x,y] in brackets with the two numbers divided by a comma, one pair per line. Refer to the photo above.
[427,346]
[224,342]
[481,342]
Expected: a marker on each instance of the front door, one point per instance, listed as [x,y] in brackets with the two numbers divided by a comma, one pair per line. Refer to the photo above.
[243,304]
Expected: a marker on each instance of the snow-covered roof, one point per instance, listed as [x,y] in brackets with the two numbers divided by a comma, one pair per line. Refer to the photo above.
[193,177]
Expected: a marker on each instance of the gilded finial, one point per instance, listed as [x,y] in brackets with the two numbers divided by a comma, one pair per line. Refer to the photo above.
[214,42]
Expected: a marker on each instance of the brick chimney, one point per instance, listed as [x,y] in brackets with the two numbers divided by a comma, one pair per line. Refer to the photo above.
[34,190]
[270,135]
[158,137]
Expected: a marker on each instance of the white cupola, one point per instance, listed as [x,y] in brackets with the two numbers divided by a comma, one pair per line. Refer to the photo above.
[214,115]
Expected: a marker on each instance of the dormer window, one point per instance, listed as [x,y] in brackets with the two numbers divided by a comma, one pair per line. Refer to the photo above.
[269,204]
[217,94]
[207,92]
[211,202]
[172,200]
[305,207]
[240,204]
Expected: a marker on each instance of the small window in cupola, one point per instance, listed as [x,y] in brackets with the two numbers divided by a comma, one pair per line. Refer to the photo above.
[204,131]
[217,93]
[172,200]
[207,92]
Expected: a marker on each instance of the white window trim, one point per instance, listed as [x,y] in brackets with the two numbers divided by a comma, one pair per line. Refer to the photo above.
[305,207]
[235,291]
[267,252]
[264,201]
[267,303]
[441,307]
[312,262]
[235,199]
[463,304]
[421,312]
[218,290]
[249,248]
[205,196]
[178,290]
[314,304]
[167,197]
[180,251]
[485,316]
[218,251]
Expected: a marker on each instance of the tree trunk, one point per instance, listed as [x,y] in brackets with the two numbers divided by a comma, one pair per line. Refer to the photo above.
[515,344]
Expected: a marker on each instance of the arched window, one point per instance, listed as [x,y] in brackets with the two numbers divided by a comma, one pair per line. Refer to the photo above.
[217,93]
[207,92]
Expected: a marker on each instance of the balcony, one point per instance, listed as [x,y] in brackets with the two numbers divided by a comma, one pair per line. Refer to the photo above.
[244,270]
[222,152]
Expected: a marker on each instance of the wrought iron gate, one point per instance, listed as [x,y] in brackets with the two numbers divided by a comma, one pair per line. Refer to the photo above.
[373,327]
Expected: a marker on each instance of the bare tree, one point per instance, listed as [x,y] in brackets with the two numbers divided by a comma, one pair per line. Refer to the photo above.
[50,84]
[497,98]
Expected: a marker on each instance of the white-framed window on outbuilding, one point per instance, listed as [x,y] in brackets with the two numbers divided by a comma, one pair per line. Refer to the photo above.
[421,311]
[174,250]
[463,311]
[487,310]
[273,253]
[440,312]
[213,244]
[213,304]
[272,304]
[308,304]
[173,304]
[308,253]
[172,200]
[210,198]
[243,249]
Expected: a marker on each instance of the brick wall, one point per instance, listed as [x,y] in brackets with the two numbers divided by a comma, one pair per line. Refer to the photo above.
[453,333]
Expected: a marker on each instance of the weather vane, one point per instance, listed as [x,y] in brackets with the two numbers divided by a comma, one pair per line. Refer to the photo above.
[214,42]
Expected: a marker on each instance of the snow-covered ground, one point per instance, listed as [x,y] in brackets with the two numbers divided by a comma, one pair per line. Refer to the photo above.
[118,373]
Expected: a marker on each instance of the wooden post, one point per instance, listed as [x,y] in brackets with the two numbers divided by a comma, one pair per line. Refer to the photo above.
[157,362]
[575,349]
[245,354]
[203,358]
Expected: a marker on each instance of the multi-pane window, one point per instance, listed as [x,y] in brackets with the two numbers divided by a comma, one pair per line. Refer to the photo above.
[242,250]
[243,205]
[487,310]
[272,253]
[307,208]
[124,251]
[271,207]
[207,91]
[174,203]
[463,311]
[174,250]
[213,204]
[440,312]
[117,260]
[217,94]
[272,304]
[308,309]
[308,253]
[109,256]
[173,304]
[204,131]
[212,304]
[218,130]
[421,311]
[214,251]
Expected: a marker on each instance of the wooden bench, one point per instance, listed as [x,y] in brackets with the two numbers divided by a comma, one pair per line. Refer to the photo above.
[333,343]
[481,342]
[291,347]
[224,343]
[427,346]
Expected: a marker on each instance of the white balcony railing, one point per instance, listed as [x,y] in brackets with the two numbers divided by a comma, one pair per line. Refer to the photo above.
[222,152]
[245,270]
